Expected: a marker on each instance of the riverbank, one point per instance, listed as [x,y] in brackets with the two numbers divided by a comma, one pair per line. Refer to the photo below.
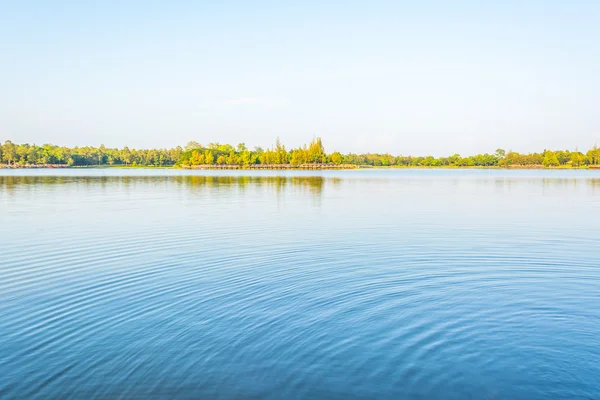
[33,166]
[199,167]
[275,167]
[64,166]
[561,167]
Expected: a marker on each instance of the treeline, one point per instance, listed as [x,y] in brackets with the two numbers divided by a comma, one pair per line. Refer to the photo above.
[25,154]
[195,154]
[500,158]
[221,154]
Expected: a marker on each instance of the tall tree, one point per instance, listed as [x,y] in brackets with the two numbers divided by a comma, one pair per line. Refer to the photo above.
[9,152]
[550,159]
[316,151]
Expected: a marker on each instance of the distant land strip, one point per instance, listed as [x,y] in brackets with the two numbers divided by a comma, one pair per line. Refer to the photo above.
[311,156]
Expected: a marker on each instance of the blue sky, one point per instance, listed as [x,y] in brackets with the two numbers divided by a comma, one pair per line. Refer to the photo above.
[408,77]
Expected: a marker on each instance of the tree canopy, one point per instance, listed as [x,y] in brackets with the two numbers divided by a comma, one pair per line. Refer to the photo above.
[195,154]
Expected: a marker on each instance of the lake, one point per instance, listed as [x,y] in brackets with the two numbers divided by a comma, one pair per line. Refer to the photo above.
[415,284]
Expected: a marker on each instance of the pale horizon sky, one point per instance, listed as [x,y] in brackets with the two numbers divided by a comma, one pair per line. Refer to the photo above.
[405,77]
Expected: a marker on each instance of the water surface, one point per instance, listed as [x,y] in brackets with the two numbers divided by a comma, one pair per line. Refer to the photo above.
[419,284]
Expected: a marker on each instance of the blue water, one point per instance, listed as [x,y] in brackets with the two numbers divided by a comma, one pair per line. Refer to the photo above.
[383,284]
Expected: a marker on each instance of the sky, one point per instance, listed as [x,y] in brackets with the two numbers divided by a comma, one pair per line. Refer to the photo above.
[404,77]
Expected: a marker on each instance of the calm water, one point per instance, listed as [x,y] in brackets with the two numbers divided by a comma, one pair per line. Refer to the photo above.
[421,284]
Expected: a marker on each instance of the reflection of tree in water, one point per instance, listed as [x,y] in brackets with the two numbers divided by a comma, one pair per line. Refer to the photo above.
[561,184]
[279,183]
[312,184]
[570,184]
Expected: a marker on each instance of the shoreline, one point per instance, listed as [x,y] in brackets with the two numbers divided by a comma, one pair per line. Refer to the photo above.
[275,167]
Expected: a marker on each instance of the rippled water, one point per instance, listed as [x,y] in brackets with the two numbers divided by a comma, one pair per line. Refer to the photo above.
[422,284]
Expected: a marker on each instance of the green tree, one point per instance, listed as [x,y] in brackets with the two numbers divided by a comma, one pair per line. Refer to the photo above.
[126,155]
[197,158]
[593,155]
[550,159]
[209,157]
[245,157]
[232,159]
[336,158]
[563,156]
[22,152]
[297,157]
[577,158]
[9,152]
[175,154]
[280,153]
[316,151]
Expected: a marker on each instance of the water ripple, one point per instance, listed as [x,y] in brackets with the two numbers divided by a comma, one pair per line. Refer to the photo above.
[320,286]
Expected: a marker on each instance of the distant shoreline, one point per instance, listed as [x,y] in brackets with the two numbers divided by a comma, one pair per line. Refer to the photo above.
[289,167]
[309,156]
